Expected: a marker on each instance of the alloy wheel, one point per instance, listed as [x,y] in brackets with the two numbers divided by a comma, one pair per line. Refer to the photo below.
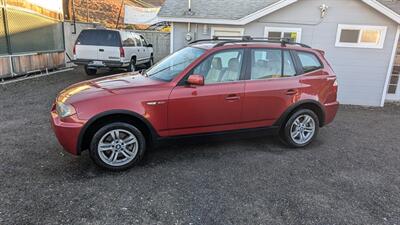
[118,147]
[302,129]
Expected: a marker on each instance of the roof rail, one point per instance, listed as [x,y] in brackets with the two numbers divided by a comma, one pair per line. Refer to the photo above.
[242,39]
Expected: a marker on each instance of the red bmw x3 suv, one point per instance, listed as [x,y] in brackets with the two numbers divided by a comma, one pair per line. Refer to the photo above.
[211,86]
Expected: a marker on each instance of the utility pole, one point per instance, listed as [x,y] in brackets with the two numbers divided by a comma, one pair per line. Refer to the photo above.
[73,16]
[119,14]
[87,10]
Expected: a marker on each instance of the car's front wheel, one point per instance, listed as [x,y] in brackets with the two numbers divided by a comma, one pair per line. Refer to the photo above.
[117,146]
[300,129]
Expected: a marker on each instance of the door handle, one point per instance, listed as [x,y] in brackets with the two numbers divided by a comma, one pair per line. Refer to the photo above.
[291,92]
[101,50]
[232,97]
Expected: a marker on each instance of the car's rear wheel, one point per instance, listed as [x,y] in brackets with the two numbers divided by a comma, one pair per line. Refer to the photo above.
[132,66]
[300,129]
[90,71]
[117,146]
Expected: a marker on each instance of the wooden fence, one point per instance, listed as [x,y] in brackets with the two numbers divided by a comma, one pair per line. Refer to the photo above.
[16,65]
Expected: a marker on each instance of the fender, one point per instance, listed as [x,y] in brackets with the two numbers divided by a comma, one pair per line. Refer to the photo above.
[90,122]
[298,104]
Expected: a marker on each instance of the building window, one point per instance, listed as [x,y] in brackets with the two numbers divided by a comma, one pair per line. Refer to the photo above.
[356,36]
[226,32]
[294,34]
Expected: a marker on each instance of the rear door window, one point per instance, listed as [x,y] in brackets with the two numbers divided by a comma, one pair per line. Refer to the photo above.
[99,38]
[309,61]
[271,63]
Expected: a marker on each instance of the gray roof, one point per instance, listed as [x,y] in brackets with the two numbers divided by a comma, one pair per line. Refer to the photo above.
[229,9]
[391,4]
[214,9]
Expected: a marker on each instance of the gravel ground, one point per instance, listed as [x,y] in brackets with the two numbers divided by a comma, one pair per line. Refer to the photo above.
[349,175]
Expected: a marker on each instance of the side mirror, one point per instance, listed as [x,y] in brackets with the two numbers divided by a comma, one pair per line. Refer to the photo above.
[197,80]
[150,45]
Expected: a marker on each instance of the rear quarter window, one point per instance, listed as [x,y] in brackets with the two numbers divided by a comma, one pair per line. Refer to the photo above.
[99,38]
[309,61]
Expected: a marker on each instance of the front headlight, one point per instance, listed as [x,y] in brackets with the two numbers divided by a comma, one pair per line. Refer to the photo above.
[64,110]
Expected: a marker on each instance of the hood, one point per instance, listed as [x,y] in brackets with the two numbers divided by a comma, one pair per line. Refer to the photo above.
[109,85]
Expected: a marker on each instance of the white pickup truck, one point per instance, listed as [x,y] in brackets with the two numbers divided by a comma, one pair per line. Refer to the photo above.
[97,48]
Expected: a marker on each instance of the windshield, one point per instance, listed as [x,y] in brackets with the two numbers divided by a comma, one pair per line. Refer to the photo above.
[171,66]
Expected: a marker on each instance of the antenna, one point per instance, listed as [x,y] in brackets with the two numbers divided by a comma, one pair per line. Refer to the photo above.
[189,11]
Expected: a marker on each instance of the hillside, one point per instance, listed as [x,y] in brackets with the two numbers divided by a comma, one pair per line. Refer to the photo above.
[105,11]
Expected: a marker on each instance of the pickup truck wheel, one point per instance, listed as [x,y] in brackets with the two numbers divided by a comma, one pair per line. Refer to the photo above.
[117,146]
[132,66]
[90,71]
[150,63]
[300,129]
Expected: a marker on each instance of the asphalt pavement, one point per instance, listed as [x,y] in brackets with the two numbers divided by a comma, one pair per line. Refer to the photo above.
[349,175]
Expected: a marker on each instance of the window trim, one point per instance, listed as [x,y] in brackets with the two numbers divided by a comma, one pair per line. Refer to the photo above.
[359,44]
[213,29]
[283,30]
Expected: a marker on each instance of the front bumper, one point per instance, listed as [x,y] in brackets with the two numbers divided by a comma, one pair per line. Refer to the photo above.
[67,133]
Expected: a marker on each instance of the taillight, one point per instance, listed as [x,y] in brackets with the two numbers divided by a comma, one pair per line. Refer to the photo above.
[74,50]
[121,52]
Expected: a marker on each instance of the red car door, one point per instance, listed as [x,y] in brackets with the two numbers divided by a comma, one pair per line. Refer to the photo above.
[271,86]
[217,105]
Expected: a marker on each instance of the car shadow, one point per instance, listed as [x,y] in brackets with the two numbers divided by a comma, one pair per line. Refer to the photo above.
[181,152]
[212,147]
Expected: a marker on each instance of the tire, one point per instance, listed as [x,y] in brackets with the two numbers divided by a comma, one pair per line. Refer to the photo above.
[90,72]
[116,154]
[150,63]
[132,66]
[300,129]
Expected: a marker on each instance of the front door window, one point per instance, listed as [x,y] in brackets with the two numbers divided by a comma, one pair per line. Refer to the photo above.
[221,67]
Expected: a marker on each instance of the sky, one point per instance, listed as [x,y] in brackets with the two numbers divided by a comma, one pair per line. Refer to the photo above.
[53,5]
